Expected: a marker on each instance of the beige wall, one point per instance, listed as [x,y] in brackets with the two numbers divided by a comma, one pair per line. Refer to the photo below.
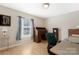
[63,22]
[12,30]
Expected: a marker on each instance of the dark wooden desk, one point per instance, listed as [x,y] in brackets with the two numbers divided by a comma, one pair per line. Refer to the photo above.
[41,34]
[66,48]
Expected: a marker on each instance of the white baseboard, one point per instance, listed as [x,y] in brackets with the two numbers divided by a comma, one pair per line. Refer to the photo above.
[13,45]
[10,46]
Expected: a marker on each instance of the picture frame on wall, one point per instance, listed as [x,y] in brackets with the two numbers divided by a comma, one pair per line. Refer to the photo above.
[5,20]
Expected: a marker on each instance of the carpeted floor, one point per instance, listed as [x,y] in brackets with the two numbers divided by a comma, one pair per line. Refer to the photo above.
[27,48]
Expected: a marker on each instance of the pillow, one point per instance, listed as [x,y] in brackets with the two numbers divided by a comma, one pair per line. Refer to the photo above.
[74,39]
[75,35]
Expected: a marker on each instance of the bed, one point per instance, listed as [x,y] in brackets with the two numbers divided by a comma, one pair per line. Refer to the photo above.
[68,47]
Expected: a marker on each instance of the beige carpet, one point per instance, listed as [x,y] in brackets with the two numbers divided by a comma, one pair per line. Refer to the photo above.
[27,48]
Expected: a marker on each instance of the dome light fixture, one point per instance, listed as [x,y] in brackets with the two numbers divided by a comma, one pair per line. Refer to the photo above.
[46,5]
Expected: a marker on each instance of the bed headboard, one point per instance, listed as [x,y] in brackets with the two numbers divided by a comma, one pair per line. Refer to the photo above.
[73,31]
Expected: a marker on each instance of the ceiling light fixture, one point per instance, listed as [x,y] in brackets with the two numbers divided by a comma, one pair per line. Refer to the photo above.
[46,5]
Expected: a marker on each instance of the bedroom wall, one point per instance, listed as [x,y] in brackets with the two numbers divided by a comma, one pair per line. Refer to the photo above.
[63,22]
[12,30]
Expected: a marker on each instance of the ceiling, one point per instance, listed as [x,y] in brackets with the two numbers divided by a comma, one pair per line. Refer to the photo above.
[36,9]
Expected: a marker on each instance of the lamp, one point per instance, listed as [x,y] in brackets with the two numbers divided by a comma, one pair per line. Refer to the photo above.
[46,5]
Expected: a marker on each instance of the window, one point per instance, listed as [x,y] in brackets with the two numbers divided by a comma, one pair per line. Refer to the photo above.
[26,27]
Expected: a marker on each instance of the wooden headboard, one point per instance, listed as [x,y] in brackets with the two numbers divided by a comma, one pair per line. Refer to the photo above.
[73,31]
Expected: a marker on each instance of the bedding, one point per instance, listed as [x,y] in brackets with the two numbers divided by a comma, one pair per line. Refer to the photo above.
[74,39]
